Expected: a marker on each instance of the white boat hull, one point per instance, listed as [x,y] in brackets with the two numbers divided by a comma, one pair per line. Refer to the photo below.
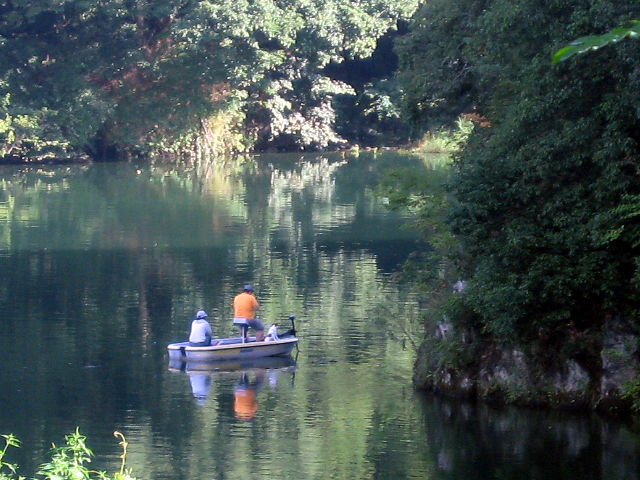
[230,349]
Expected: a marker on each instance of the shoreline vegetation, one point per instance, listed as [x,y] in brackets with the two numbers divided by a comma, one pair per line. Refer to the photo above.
[67,462]
[534,283]
[444,140]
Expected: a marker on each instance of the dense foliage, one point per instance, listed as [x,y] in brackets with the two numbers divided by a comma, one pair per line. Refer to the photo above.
[544,193]
[435,70]
[136,75]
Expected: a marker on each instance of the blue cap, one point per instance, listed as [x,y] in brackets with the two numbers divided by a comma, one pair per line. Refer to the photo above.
[201,314]
[248,287]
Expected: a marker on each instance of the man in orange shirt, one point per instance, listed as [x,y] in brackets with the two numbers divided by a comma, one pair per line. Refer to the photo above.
[245,306]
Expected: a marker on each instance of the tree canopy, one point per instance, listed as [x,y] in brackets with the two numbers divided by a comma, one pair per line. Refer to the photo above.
[543,194]
[135,75]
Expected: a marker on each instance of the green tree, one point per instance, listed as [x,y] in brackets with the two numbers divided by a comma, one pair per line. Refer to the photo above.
[139,76]
[536,189]
[436,65]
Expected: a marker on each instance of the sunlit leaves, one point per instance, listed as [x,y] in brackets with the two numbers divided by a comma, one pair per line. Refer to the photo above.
[67,461]
[9,441]
[594,42]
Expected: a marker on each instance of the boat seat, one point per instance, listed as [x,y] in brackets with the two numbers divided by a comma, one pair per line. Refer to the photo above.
[243,324]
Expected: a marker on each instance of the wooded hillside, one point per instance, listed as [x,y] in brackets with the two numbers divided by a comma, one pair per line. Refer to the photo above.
[545,195]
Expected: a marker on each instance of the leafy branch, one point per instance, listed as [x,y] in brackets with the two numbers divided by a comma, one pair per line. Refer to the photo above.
[594,42]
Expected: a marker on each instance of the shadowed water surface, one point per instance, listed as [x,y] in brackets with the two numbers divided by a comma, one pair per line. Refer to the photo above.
[104,265]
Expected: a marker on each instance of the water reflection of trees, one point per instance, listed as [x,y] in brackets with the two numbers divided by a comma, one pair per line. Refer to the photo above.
[108,265]
[511,443]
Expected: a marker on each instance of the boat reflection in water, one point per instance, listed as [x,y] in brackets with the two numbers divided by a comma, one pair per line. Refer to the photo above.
[253,374]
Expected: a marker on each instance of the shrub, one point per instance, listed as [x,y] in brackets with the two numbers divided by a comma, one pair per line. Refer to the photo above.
[67,462]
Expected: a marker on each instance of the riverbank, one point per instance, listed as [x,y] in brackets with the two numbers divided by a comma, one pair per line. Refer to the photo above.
[457,363]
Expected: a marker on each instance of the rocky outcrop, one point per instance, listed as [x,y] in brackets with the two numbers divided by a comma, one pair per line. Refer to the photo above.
[510,374]
[620,366]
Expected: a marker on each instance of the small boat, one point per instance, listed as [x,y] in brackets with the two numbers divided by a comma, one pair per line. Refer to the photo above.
[235,348]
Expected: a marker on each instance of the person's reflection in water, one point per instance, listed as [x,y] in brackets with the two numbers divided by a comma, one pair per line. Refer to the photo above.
[246,395]
[200,386]
[273,375]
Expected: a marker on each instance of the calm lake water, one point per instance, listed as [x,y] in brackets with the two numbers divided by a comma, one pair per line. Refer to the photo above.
[104,265]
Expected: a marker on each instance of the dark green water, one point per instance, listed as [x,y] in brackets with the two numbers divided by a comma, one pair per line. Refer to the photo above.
[104,265]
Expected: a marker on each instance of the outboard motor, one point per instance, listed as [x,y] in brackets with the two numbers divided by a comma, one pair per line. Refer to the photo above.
[292,331]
